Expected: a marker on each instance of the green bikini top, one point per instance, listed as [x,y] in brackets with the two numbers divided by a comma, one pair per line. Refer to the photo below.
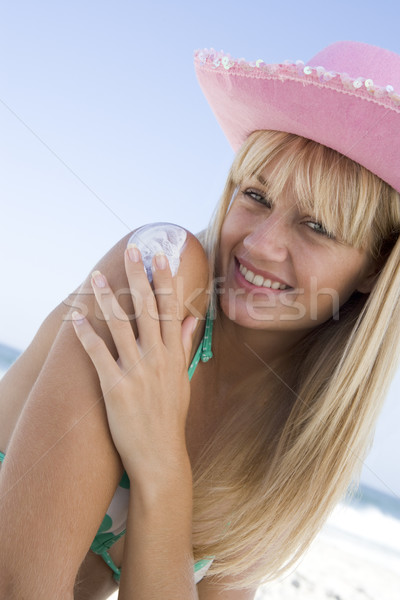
[203,352]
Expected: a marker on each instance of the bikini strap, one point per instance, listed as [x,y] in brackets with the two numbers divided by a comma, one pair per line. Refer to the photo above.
[203,352]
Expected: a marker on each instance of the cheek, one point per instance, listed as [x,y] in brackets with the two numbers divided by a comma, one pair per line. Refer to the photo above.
[331,287]
[350,273]
[230,234]
[224,248]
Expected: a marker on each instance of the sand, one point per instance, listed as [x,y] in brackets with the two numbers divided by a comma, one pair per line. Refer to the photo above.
[339,568]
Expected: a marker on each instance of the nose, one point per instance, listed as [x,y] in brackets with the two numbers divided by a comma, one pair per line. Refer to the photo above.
[269,240]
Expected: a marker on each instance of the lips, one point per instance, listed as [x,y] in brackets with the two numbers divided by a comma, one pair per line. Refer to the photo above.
[259,280]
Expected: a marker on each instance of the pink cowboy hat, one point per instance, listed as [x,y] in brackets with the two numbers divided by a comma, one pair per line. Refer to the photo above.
[347,97]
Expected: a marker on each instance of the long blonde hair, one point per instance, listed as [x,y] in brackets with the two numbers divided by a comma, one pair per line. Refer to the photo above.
[271,476]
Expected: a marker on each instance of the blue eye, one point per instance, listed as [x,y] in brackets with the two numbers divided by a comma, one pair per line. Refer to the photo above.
[319,228]
[258,197]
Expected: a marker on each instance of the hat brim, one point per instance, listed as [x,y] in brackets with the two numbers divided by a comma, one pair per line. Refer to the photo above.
[363,124]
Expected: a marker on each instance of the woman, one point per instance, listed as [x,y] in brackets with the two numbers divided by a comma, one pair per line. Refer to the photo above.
[304,322]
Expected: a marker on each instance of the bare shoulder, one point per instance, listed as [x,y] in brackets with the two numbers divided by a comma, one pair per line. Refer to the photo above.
[193,262]
[15,386]
[193,275]
[192,284]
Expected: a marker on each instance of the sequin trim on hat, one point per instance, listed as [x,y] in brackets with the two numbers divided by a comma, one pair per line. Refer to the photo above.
[360,86]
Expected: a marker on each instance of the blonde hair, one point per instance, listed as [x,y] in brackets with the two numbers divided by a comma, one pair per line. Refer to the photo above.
[270,477]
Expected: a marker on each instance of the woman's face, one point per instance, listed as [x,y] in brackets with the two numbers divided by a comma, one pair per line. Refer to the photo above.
[279,268]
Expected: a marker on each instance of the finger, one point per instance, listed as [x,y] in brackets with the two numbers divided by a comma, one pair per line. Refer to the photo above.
[189,327]
[97,351]
[143,299]
[167,302]
[116,319]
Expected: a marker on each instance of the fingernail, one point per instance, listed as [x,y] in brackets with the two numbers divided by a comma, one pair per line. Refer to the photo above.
[77,317]
[133,253]
[99,279]
[196,320]
[161,260]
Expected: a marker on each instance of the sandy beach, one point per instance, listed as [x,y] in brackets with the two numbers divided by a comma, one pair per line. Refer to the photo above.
[339,568]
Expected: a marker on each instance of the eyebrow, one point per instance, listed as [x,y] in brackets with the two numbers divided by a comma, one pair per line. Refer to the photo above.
[263,181]
[267,185]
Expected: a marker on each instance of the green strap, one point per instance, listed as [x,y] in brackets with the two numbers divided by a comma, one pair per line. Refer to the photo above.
[2,456]
[204,352]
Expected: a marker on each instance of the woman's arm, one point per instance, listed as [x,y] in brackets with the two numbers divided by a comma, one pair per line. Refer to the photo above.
[17,382]
[147,397]
[211,590]
[158,558]
[61,467]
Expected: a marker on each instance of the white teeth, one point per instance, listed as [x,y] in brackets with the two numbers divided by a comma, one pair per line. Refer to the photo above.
[259,280]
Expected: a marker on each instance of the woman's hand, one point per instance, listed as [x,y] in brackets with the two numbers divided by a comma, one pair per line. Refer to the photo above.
[146,392]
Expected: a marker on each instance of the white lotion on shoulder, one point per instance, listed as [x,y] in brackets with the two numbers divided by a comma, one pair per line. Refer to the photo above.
[160,237]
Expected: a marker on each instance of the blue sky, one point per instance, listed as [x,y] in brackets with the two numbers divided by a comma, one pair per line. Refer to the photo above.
[103,128]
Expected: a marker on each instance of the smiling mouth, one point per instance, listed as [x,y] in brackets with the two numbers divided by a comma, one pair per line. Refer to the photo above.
[260,281]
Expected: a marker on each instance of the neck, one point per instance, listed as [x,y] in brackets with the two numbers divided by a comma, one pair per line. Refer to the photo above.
[243,352]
